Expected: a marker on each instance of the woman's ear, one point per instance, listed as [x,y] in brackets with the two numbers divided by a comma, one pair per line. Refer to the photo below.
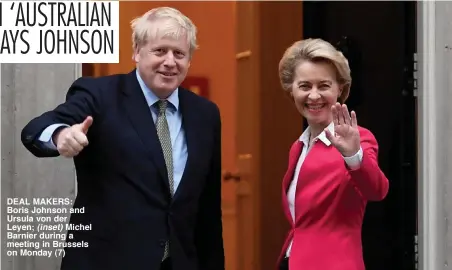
[289,95]
[341,90]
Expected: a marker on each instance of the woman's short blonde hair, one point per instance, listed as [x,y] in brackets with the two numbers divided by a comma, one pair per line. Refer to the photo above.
[175,24]
[314,50]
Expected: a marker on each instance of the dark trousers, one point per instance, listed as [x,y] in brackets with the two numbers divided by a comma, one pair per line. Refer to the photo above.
[284,265]
[166,264]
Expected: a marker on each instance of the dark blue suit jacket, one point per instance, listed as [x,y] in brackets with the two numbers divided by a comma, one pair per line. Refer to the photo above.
[123,183]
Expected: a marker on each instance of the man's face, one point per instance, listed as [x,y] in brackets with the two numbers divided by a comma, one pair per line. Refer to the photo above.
[163,63]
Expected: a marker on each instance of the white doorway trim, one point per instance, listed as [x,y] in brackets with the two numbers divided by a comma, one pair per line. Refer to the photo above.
[431,229]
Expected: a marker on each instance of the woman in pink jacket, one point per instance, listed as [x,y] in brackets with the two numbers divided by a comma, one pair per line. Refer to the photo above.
[333,169]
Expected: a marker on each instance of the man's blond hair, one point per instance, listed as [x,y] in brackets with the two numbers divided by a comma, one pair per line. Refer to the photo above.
[172,23]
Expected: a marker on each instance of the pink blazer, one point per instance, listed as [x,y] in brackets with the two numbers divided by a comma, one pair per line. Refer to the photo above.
[329,205]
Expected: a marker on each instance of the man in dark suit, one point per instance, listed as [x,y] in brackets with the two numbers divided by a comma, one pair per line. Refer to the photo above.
[148,158]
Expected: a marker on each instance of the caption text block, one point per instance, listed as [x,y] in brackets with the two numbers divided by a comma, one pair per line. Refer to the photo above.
[59,32]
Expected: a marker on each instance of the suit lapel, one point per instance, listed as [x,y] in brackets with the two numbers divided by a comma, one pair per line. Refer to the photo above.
[190,122]
[141,118]
[309,172]
[294,155]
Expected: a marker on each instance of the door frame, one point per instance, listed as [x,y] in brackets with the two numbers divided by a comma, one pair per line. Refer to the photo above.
[431,225]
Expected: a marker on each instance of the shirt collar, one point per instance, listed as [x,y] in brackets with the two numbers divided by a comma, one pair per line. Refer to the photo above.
[304,138]
[151,98]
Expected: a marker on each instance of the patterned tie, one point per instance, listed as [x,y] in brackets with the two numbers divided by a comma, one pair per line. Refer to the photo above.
[165,140]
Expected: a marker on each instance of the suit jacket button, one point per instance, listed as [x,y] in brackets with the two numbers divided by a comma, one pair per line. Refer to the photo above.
[162,243]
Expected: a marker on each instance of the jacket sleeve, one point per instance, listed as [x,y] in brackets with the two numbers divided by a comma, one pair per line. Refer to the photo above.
[369,178]
[81,101]
[209,229]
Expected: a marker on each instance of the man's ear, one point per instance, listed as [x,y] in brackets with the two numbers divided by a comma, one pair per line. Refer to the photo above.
[136,55]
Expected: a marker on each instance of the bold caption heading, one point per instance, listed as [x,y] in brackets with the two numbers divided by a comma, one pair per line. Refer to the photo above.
[59,32]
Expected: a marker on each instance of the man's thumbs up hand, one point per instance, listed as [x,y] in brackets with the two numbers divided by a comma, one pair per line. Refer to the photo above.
[86,124]
[70,141]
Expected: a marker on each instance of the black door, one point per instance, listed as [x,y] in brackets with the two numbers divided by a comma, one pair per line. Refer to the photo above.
[378,38]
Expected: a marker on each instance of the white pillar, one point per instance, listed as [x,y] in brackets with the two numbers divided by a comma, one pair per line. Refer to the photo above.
[435,134]
[28,90]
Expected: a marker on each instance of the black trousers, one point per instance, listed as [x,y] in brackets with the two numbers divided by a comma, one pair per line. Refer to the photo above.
[166,264]
[284,265]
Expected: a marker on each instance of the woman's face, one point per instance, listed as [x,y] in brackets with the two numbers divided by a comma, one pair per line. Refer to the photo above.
[315,90]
